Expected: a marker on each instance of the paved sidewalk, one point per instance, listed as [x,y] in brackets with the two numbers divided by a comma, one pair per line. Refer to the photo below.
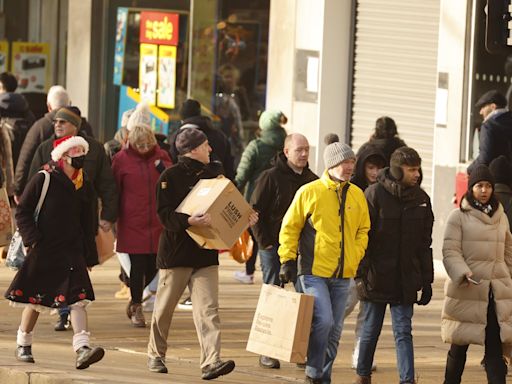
[125,360]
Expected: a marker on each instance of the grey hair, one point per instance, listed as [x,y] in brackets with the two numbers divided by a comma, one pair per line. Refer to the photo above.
[58,97]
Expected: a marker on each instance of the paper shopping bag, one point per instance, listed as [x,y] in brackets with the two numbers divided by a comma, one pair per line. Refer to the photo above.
[6,225]
[281,324]
[105,245]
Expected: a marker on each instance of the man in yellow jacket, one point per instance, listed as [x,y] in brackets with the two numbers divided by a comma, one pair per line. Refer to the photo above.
[326,226]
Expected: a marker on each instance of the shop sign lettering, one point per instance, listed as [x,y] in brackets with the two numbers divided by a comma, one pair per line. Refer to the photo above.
[159,28]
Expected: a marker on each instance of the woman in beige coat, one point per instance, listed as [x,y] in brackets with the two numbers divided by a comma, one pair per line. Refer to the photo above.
[477,254]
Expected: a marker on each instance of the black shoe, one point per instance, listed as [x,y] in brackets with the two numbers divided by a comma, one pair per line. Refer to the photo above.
[63,323]
[219,368]
[156,364]
[301,365]
[24,354]
[269,362]
[309,380]
[86,356]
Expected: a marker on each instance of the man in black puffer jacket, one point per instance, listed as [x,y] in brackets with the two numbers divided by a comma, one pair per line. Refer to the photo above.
[398,261]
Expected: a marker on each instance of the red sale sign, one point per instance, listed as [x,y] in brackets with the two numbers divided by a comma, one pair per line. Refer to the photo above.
[159,28]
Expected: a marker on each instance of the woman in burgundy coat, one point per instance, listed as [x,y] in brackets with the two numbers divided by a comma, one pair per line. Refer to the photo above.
[136,169]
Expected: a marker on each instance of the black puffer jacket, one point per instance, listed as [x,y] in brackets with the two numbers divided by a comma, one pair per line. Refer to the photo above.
[495,139]
[274,192]
[221,149]
[363,154]
[176,248]
[398,261]
[387,146]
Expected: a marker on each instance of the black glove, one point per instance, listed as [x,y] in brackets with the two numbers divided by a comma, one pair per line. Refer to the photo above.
[426,295]
[288,272]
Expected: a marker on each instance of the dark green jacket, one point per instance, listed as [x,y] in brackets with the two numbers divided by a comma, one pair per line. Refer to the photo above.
[257,157]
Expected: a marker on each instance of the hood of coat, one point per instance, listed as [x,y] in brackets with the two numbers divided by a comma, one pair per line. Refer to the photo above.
[281,162]
[273,137]
[391,185]
[366,151]
[483,217]
[204,123]
[13,103]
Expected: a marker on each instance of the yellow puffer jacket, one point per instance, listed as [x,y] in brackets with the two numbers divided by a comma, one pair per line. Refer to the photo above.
[311,229]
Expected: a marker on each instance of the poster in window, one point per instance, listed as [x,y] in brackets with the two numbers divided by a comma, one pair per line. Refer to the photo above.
[4,55]
[122,21]
[30,65]
[147,75]
[166,76]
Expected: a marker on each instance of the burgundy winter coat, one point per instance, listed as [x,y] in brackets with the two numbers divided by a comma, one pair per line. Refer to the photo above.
[138,228]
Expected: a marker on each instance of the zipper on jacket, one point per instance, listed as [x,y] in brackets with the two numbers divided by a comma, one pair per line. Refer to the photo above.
[342,200]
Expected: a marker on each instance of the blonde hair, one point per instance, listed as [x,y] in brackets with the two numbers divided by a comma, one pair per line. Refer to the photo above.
[141,133]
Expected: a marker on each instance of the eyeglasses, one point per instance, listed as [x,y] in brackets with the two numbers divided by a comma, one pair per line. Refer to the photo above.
[144,145]
[59,121]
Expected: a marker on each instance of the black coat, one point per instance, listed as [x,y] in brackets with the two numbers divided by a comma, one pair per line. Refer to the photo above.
[55,270]
[387,146]
[274,192]
[40,131]
[176,248]
[398,261]
[221,148]
[98,170]
[495,139]
[367,150]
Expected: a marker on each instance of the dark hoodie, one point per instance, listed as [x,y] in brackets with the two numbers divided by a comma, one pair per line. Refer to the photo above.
[367,150]
[15,105]
[387,145]
[221,149]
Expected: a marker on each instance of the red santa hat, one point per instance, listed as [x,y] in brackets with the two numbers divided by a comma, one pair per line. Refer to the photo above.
[64,144]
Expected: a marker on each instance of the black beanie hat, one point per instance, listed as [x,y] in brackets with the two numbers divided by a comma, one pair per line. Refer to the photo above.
[189,139]
[190,108]
[480,173]
[403,156]
[501,169]
[8,81]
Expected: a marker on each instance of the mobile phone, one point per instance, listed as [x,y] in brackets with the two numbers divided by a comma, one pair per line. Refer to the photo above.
[473,281]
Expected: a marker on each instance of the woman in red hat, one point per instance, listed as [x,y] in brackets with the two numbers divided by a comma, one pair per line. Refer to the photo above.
[60,249]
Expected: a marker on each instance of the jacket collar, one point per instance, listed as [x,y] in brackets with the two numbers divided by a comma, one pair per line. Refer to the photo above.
[495,218]
[330,183]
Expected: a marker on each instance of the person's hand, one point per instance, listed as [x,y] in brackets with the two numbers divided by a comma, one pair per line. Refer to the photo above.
[17,199]
[426,295]
[105,225]
[203,220]
[253,218]
[288,272]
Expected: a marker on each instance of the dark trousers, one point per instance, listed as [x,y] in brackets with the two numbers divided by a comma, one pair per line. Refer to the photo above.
[143,270]
[250,265]
[495,366]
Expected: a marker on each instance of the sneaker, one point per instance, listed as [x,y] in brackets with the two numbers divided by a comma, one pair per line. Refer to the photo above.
[219,368]
[24,354]
[63,323]
[310,380]
[243,277]
[269,362]
[85,356]
[138,319]
[123,293]
[149,304]
[186,304]
[157,365]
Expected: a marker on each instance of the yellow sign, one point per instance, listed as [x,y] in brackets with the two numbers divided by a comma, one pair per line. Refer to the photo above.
[4,55]
[166,76]
[31,66]
[147,73]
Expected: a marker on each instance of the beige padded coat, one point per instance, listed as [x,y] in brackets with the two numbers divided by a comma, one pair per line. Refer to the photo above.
[475,242]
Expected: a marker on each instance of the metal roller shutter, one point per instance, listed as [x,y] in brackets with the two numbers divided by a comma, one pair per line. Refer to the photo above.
[395,72]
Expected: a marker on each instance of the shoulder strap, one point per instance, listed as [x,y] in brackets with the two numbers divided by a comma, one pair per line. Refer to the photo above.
[46,184]
[339,270]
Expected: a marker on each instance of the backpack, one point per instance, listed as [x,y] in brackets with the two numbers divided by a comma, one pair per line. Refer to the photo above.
[17,127]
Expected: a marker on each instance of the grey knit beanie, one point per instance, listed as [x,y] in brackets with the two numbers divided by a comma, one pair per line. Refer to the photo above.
[336,153]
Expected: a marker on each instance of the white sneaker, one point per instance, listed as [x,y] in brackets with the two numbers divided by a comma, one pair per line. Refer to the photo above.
[149,304]
[186,304]
[243,277]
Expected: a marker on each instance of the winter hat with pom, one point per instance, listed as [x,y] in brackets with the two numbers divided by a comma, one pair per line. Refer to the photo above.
[141,116]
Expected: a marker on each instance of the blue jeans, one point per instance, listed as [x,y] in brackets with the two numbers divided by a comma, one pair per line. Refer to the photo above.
[401,316]
[270,265]
[330,300]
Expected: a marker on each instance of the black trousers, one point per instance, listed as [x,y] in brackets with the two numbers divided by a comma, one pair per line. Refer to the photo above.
[250,265]
[495,366]
[142,271]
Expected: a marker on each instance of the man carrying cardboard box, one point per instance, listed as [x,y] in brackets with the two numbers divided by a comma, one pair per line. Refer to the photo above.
[183,263]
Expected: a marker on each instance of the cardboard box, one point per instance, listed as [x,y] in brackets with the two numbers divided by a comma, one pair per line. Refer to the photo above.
[228,209]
